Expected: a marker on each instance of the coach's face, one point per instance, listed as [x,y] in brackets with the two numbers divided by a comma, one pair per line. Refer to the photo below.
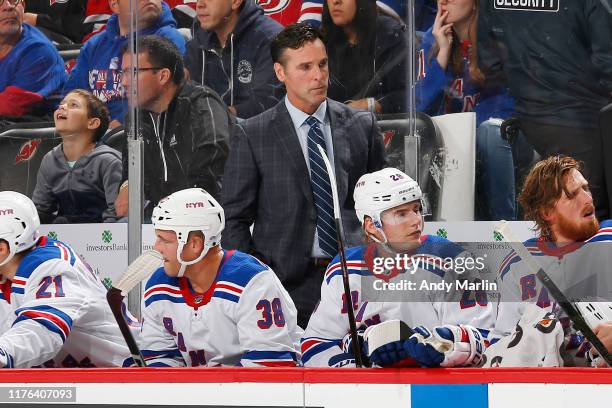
[305,74]
[573,218]
[11,18]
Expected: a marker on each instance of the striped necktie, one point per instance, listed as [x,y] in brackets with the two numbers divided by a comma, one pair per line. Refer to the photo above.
[321,190]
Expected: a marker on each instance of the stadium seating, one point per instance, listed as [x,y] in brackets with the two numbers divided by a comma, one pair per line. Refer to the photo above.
[395,129]
[22,148]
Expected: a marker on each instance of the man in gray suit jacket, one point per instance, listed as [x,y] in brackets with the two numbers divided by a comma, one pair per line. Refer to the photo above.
[274,178]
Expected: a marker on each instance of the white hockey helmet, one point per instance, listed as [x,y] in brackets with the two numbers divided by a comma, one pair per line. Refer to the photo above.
[19,223]
[382,190]
[192,209]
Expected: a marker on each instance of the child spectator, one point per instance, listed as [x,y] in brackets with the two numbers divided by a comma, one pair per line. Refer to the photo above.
[78,180]
[450,81]
[367,58]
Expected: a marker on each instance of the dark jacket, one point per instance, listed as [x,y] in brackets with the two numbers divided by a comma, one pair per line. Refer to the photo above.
[84,193]
[245,62]
[63,17]
[194,133]
[558,64]
[268,184]
[382,76]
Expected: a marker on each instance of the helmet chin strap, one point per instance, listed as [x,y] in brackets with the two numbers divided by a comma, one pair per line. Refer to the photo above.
[185,264]
[8,258]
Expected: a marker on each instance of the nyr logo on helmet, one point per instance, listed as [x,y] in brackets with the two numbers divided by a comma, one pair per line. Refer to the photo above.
[8,211]
[528,5]
[27,150]
[196,204]
[273,6]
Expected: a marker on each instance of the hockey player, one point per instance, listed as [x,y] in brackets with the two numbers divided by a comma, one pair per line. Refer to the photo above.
[556,196]
[60,314]
[388,204]
[210,306]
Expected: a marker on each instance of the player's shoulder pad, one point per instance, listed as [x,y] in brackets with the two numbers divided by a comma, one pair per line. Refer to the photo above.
[531,245]
[159,277]
[45,250]
[438,246]
[434,253]
[355,261]
[162,287]
[239,268]
[604,233]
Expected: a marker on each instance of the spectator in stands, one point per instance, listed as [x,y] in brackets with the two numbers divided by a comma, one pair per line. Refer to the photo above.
[558,65]
[78,180]
[450,81]
[31,70]
[99,11]
[275,179]
[312,10]
[185,126]
[367,56]
[57,17]
[230,53]
[98,65]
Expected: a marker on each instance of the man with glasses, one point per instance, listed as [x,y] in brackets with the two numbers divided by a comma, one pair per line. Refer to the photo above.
[97,67]
[185,126]
[31,70]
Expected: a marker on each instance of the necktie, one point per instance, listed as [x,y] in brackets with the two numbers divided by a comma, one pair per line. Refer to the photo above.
[321,189]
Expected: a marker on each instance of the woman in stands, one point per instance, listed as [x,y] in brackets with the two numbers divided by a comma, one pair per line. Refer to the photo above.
[79,179]
[367,62]
[450,81]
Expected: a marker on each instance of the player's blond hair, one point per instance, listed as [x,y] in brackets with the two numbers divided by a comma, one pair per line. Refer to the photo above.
[543,187]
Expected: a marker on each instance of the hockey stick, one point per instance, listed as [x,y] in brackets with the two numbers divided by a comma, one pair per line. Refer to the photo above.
[345,274]
[568,307]
[136,272]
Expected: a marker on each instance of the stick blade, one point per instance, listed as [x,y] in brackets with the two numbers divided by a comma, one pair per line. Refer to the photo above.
[139,270]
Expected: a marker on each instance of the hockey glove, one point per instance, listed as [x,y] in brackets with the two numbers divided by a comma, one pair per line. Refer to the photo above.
[446,346]
[6,360]
[347,346]
[385,344]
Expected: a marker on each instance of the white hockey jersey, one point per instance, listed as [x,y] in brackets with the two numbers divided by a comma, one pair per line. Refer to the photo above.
[60,317]
[5,305]
[568,266]
[246,318]
[321,344]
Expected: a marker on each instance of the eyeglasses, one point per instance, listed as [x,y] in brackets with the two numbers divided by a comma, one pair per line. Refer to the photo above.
[13,3]
[133,70]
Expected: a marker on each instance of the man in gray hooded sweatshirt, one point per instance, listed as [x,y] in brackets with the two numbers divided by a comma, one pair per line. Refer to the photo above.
[230,53]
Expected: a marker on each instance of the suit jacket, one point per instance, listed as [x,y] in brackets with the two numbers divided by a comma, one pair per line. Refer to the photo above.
[267,183]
